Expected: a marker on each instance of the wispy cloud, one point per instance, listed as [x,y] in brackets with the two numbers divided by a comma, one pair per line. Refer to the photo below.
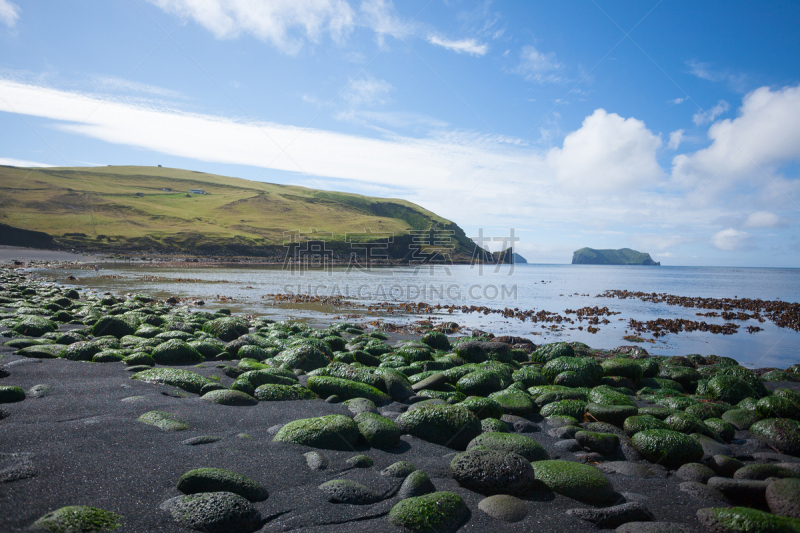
[367,91]
[9,13]
[677,101]
[537,66]
[704,71]
[705,117]
[467,46]
[286,24]
[763,219]
[11,162]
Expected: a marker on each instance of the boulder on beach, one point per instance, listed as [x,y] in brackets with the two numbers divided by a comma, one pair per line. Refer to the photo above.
[333,432]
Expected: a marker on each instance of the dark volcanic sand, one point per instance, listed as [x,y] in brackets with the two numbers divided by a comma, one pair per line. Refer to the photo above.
[88,449]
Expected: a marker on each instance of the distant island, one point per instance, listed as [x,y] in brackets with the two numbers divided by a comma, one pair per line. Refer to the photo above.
[507,257]
[623,256]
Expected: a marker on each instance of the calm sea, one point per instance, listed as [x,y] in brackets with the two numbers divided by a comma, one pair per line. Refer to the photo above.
[552,288]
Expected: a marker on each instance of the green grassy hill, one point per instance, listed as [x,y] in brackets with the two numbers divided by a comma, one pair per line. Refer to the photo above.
[623,256]
[131,208]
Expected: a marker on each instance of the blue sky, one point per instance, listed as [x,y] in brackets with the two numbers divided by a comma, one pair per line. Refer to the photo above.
[669,127]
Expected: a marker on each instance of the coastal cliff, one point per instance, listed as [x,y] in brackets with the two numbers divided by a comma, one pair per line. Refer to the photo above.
[623,256]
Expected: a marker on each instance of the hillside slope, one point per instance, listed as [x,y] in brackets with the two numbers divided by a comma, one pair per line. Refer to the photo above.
[131,208]
[623,256]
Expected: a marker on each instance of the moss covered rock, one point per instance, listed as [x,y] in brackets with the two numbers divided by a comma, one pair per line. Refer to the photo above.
[511,443]
[574,480]
[666,447]
[163,421]
[183,379]
[249,381]
[589,369]
[482,407]
[635,424]
[529,376]
[437,512]
[783,434]
[783,497]
[77,519]
[117,326]
[11,394]
[436,340]
[306,357]
[448,425]
[625,368]
[611,414]
[34,326]
[80,351]
[777,407]
[227,328]
[493,425]
[332,432]
[138,359]
[548,352]
[324,386]
[221,480]
[572,408]
[721,429]
[176,352]
[593,441]
[706,410]
[281,393]
[745,520]
[480,383]
[514,402]
[229,397]
[740,418]
[729,389]
[378,431]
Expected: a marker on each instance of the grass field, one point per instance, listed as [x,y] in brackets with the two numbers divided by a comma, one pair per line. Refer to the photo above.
[151,208]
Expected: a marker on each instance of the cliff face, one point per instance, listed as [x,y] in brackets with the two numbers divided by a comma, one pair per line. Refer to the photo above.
[624,256]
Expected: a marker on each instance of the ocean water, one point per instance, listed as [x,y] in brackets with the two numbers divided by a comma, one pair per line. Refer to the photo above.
[529,287]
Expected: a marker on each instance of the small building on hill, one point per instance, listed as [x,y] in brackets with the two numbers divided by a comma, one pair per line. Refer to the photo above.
[197,191]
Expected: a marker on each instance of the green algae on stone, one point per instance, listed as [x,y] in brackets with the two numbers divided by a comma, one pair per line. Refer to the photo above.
[706,410]
[493,425]
[482,407]
[11,394]
[480,383]
[777,407]
[436,340]
[249,381]
[34,326]
[782,434]
[448,425]
[176,352]
[138,359]
[593,441]
[281,393]
[345,389]
[529,376]
[625,368]
[729,389]
[183,379]
[437,512]
[611,414]
[163,421]
[573,408]
[378,431]
[511,443]
[679,403]
[514,402]
[229,397]
[227,328]
[745,520]
[398,469]
[114,325]
[588,368]
[548,352]
[666,447]
[575,480]
[740,418]
[332,432]
[761,471]
[221,480]
[721,429]
[635,424]
[77,519]
[41,351]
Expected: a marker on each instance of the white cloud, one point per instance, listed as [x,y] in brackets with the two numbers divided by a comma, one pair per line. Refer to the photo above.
[367,91]
[282,23]
[10,162]
[675,139]
[608,153]
[704,117]
[749,148]
[109,83]
[537,66]
[9,13]
[730,239]
[468,46]
[677,101]
[762,219]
